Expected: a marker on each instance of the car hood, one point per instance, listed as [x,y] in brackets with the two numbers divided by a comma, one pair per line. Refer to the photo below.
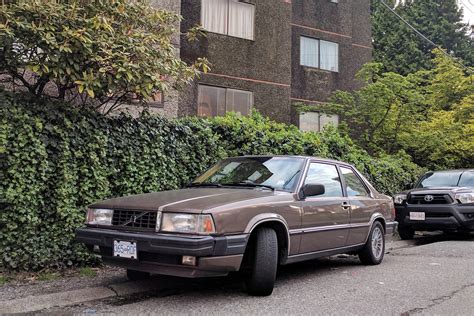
[192,200]
[439,190]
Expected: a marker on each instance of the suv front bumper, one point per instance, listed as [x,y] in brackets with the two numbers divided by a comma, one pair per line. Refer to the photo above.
[162,253]
[437,217]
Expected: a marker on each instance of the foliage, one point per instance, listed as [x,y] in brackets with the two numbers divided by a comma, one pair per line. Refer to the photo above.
[401,50]
[60,158]
[427,114]
[110,50]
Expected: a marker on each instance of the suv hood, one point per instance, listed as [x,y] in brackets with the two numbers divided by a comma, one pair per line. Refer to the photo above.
[439,190]
[192,200]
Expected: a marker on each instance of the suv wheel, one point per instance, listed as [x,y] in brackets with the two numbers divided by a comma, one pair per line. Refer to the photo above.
[406,233]
[264,265]
[374,249]
[134,275]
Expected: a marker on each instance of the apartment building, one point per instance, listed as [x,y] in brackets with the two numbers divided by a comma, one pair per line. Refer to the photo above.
[273,55]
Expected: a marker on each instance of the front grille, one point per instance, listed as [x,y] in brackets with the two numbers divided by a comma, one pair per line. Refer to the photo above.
[437,199]
[437,215]
[134,219]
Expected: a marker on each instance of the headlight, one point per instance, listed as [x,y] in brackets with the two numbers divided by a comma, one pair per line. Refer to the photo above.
[465,198]
[99,216]
[399,198]
[187,223]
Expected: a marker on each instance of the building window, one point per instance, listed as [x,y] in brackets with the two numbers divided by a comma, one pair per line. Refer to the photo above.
[156,100]
[216,101]
[229,17]
[319,54]
[316,121]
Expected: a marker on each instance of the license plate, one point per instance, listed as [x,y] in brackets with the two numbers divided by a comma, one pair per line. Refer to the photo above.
[417,216]
[125,249]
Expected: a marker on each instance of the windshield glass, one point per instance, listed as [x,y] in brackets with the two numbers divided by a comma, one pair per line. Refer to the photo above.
[280,173]
[447,179]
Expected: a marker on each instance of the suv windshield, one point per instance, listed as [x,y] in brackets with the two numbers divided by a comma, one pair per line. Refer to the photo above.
[447,179]
[280,173]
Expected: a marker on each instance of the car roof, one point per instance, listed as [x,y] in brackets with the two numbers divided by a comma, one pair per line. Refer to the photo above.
[298,156]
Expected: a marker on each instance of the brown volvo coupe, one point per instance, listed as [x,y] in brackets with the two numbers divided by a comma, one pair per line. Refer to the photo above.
[247,214]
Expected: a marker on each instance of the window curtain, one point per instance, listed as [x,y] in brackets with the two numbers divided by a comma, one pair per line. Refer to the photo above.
[309,52]
[329,56]
[214,15]
[211,101]
[241,19]
[239,101]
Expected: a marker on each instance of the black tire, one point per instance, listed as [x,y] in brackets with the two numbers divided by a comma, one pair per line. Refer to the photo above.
[264,265]
[134,275]
[406,233]
[374,249]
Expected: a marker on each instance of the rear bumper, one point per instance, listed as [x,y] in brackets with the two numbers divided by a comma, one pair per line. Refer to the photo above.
[162,253]
[437,217]
[390,227]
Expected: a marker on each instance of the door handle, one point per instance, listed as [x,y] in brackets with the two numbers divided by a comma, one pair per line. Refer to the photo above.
[346,205]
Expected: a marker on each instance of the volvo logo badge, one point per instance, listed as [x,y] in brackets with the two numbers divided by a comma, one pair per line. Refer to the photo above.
[429,198]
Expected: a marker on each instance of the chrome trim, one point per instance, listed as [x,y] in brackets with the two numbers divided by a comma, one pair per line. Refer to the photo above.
[322,251]
[268,217]
[326,228]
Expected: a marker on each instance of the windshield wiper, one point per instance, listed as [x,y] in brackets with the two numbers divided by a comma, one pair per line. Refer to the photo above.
[204,184]
[250,185]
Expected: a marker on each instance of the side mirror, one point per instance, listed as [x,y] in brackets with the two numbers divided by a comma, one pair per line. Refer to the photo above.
[313,190]
[409,186]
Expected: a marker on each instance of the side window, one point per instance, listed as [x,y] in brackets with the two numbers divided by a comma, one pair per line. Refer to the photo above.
[354,185]
[327,175]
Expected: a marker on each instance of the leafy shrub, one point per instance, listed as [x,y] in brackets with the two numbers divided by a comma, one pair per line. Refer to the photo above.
[60,158]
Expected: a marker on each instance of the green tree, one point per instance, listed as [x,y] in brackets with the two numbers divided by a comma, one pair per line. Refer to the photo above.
[102,50]
[427,114]
[401,50]
[382,109]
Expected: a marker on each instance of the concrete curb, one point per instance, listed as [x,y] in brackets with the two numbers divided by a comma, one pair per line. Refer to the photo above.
[40,302]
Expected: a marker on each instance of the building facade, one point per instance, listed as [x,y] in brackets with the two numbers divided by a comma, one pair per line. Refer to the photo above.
[273,55]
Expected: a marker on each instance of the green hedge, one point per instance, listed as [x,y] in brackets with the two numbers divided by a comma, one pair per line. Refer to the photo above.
[59,159]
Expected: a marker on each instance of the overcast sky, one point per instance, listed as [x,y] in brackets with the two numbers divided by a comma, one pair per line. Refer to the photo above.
[468,6]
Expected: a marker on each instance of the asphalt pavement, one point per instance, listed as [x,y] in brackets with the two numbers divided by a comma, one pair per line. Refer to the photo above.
[431,275]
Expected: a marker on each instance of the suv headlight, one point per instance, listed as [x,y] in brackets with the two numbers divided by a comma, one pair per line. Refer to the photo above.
[99,216]
[187,223]
[399,198]
[465,198]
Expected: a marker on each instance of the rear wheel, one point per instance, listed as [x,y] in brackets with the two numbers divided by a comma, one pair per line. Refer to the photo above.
[134,275]
[406,233]
[374,249]
[264,265]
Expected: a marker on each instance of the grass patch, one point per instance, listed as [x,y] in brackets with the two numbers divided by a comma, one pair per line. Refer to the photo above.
[48,276]
[87,272]
[3,280]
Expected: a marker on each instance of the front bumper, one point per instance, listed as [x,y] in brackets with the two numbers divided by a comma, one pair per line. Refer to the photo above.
[162,253]
[437,217]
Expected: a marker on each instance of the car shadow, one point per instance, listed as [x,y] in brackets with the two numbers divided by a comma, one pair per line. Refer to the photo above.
[424,238]
[234,283]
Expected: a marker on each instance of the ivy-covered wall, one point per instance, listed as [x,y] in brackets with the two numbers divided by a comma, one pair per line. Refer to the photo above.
[58,159]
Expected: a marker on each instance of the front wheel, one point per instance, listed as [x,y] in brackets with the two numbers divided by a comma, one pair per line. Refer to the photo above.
[374,249]
[264,265]
[406,233]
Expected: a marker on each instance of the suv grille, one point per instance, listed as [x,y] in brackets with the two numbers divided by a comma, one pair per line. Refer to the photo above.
[135,219]
[437,199]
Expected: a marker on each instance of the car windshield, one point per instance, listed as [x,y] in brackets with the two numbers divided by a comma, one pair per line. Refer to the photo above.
[279,173]
[447,179]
